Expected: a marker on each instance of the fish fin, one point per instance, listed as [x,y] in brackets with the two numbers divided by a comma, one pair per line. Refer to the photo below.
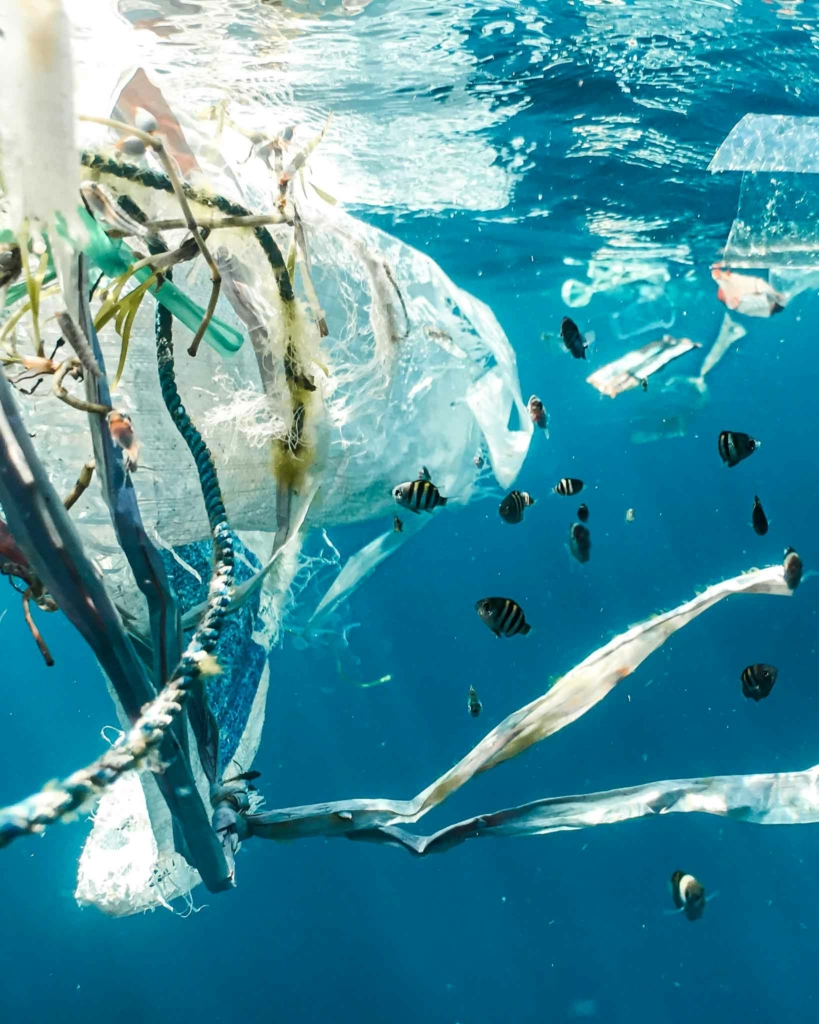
[673,913]
[524,629]
[590,338]
[442,500]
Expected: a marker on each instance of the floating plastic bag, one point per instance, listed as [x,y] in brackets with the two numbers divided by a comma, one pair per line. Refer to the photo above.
[778,210]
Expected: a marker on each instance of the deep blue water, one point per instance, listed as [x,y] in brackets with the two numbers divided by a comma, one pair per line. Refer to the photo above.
[540,929]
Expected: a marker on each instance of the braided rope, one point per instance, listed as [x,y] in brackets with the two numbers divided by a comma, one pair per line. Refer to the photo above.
[138,749]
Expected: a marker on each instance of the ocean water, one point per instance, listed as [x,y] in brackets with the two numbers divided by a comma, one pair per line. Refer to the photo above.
[526,143]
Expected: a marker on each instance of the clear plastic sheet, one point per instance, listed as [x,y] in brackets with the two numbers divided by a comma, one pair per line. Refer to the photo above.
[632,369]
[770,142]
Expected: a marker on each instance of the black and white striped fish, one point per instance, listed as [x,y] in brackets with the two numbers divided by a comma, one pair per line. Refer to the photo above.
[503,616]
[511,508]
[568,486]
[734,446]
[419,495]
[758,681]
[688,895]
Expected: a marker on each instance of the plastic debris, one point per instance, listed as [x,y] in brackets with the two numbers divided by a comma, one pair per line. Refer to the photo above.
[653,311]
[569,699]
[635,367]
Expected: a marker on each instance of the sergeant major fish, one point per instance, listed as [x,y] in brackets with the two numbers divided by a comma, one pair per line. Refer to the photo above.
[503,616]
[419,495]
[688,895]
[583,513]
[511,508]
[734,446]
[568,486]
[758,681]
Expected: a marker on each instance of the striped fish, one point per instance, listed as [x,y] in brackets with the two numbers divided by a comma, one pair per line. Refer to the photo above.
[503,616]
[511,508]
[758,681]
[734,446]
[583,513]
[419,495]
[568,486]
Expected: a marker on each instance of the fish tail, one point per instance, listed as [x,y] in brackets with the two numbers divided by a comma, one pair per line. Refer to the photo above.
[442,500]
[524,629]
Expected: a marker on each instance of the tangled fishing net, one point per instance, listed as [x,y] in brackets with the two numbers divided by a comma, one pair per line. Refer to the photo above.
[204,360]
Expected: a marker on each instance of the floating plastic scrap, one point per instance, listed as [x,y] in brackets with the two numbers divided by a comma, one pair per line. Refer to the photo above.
[633,368]
[750,296]
[667,411]
[653,311]
[770,142]
[569,699]
[334,373]
[609,275]
[777,220]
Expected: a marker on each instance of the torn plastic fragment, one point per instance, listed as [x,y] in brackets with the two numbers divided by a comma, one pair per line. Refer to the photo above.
[783,798]
[653,311]
[364,562]
[570,698]
[750,296]
[770,142]
[666,412]
[729,332]
[633,368]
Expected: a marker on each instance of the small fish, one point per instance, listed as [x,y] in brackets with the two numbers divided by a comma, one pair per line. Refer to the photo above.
[758,681]
[734,446]
[503,616]
[568,486]
[397,525]
[688,895]
[418,495]
[572,338]
[122,433]
[630,517]
[580,542]
[473,703]
[644,383]
[479,461]
[243,777]
[793,568]
[511,508]
[583,513]
[758,518]
[540,417]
